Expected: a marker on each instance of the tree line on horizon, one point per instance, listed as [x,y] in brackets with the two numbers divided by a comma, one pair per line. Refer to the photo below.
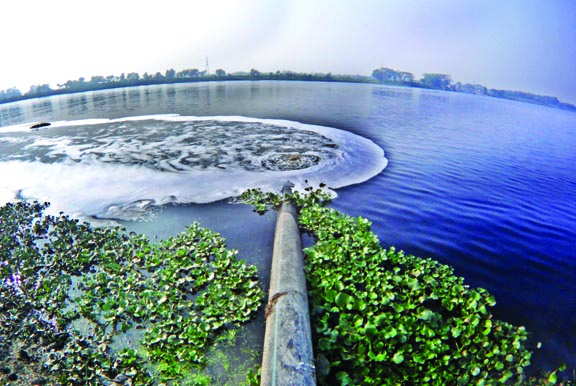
[444,82]
[380,75]
[99,82]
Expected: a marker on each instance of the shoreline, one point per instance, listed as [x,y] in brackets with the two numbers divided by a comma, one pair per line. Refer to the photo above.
[518,96]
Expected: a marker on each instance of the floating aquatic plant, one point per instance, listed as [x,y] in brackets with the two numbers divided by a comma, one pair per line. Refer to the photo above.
[70,293]
[381,317]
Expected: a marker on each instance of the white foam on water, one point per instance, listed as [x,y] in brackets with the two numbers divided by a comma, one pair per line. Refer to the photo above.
[121,168]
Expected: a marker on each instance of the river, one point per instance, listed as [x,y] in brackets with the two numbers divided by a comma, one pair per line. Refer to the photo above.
[483,184]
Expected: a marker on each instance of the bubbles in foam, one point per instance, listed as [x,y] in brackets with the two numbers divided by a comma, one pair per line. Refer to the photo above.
[122,168]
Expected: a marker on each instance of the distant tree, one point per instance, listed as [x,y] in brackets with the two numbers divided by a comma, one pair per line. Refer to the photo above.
[97,79]
[10,93]
[188,73]
[220,73]
[39,89]
[13,92]
[378,74]
[254,73]
[170,74]
[387,75]
[158,76]
[406,76]
[146,76]
[437,81]
[70,84]
[133,77]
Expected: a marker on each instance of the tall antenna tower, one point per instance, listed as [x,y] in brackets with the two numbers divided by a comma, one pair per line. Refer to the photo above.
[207,67]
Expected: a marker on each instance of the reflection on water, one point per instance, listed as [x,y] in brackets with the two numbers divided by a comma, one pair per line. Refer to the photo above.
[12,115]
[283,100]
[43,107]
[77,105]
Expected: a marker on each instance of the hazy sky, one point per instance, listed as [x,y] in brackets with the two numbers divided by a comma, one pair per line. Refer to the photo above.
[527,45]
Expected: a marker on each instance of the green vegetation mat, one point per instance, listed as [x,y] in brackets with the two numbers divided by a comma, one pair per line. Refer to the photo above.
[97,306]
[380,317]
[90,306]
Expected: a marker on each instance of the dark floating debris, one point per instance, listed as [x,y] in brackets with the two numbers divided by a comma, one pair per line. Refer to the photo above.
[23,355]
[39,125]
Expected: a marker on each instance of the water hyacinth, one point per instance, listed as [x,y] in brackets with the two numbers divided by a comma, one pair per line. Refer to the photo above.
[70,292]
[14,283]
[381,317]
[46,320]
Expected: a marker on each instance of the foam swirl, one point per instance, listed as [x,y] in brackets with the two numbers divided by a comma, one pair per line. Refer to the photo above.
[109,168]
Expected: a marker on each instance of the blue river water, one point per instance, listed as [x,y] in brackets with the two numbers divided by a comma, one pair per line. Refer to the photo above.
[485,185]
